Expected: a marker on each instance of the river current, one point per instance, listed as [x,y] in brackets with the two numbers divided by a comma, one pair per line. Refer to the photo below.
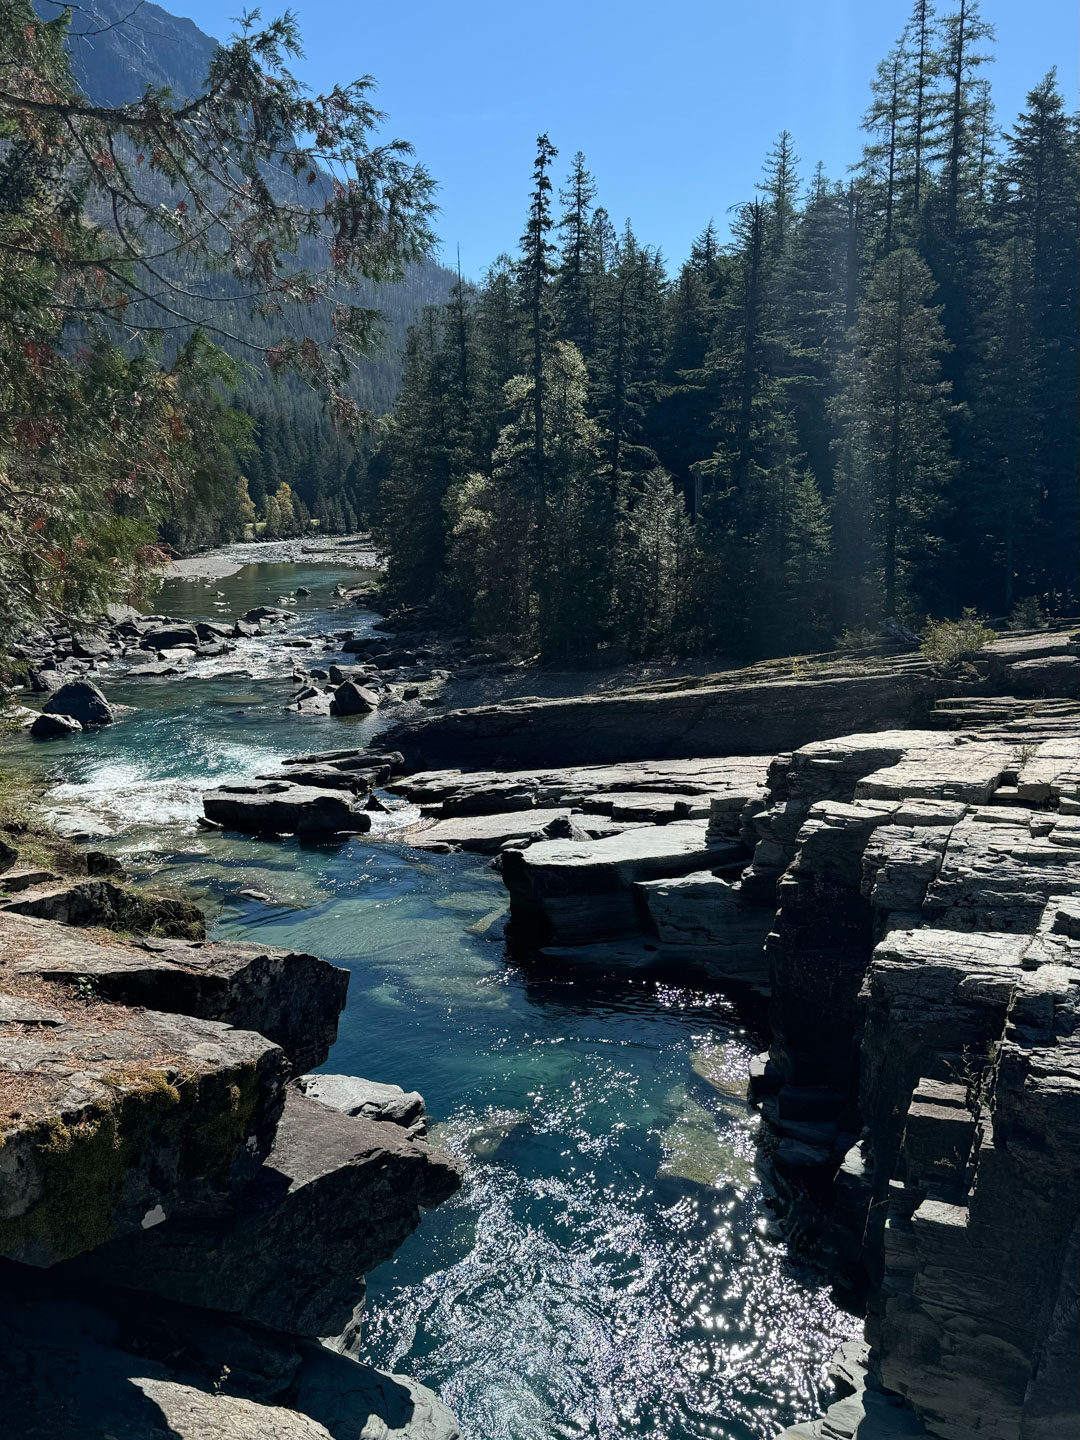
[608,1270]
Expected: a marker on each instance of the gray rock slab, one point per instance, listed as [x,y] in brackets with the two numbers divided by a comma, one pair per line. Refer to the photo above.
[55,727]
[278,807]
[485,834]
[579,893]
[337,1196]
[292,998]
[368,1098]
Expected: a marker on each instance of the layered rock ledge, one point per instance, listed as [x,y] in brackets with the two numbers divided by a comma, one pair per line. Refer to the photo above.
[922,1090]
[909,897]
[182,1215]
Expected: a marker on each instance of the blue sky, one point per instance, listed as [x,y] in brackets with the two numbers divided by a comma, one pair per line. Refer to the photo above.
[674,106]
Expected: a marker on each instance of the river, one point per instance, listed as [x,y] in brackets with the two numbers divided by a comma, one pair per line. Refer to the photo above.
[608,1270]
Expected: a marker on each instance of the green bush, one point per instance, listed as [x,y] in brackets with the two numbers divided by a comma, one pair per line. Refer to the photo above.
[1028,614]
[946,643]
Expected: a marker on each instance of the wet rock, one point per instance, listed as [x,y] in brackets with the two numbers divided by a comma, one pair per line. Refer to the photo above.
[277,807]
[82,701]
[352,699]
[170,637]
[54,727]
[208,630]
[272,613]
[314,702]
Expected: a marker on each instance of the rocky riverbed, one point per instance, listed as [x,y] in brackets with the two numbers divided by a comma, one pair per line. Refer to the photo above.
[885,905]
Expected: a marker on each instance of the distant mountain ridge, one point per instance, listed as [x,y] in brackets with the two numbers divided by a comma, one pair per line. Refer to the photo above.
[120,49]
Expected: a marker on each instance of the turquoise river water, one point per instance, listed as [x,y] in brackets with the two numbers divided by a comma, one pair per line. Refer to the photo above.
[608,1269]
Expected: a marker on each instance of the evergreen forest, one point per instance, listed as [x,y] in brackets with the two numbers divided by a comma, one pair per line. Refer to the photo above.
[858,407]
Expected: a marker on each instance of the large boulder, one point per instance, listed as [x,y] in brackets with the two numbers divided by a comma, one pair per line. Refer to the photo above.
[54,727]
[87,645]
[273,613]
[99,902]
[277,807]
[83,701]
[579,893]
[213,630]
[170,637]
[353,699]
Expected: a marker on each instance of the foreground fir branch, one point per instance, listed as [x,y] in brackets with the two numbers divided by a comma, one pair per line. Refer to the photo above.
[116,226]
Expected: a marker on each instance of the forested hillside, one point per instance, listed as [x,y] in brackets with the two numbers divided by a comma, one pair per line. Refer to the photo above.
[862,405]
[117,51]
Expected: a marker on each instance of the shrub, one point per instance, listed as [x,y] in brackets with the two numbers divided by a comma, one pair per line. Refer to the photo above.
[858,637]
[1028,614]
[946,643]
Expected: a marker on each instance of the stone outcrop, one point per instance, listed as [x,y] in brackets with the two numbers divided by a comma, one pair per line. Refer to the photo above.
[768,708]
[54,727]
[277,807]
[116,1117]
[101,902]
[174,1212]
[292,998]
[127,1367]
[337,1196]
[925,1006]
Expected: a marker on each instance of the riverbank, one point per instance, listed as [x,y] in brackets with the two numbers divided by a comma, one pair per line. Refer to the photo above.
[351,551]
[609,1186]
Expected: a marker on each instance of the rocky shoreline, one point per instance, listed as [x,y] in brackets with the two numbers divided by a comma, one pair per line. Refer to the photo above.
[909,900]
[183,1211]
[888,857]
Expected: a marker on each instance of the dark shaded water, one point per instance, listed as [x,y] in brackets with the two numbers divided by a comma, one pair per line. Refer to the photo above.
[606,1271]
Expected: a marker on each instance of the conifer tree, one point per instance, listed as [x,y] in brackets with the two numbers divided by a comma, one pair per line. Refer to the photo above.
[577,268]
[892,416]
